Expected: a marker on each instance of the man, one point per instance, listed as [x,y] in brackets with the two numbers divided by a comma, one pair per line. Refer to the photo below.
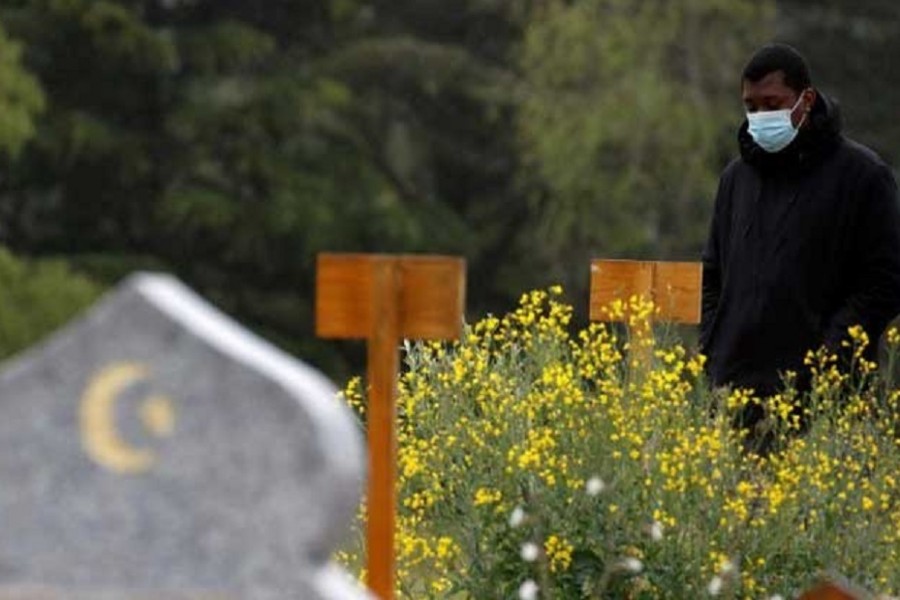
[805,236]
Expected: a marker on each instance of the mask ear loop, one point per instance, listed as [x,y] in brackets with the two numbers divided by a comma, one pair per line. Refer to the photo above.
[805,112]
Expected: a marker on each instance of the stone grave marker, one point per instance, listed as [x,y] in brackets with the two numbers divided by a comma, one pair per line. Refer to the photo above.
[155,450]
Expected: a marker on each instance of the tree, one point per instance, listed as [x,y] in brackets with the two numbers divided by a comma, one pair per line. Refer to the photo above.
[627,109]
[21,98]
[434,114]
[88,180]
[230,142]
[36,298]
[851,46]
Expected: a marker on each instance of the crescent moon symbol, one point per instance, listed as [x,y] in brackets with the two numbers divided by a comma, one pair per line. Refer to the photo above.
[99,433]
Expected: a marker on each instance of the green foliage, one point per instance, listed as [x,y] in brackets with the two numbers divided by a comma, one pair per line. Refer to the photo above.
[21,98]
[626,108]
[231,141]
[850,45]
[224,47]
[36,298]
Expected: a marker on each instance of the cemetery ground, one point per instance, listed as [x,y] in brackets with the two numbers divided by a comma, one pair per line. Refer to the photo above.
[539,463]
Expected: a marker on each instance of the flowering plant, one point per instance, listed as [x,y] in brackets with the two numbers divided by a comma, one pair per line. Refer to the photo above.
[538,463]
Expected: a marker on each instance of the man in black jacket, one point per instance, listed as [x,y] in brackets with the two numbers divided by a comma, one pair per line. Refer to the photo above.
[805,236]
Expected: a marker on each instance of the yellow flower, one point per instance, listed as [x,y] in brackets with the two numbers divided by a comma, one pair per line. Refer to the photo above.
[487,496]
[446,547]
[893,336]
[559,551]
[521,412]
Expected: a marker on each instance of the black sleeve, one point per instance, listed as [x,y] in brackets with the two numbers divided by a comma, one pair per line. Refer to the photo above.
[712,266]
[874,295]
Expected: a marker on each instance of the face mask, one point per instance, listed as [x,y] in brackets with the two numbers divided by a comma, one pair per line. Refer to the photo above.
[773,130]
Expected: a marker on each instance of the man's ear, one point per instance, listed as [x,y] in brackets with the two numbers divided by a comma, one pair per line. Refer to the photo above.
[809,98]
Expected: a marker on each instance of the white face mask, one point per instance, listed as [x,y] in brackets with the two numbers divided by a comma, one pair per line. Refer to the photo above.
[773,130]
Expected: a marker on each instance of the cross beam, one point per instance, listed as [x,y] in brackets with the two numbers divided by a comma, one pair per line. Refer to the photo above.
[674,287]
[383,299]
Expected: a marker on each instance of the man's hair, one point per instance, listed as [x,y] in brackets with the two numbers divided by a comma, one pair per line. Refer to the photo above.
[779,57]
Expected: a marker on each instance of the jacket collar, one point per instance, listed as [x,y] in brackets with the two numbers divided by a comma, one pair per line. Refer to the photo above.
[816,140]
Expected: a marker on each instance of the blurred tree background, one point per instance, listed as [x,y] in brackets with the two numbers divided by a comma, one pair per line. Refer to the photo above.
[229,141]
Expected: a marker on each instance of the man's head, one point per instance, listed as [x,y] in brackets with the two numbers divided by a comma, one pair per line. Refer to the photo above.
[777,78]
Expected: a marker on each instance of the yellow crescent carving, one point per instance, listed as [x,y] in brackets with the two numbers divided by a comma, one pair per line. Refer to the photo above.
[99,434]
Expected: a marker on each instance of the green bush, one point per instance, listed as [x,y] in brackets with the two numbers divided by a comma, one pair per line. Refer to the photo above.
[36,298]
[537,463]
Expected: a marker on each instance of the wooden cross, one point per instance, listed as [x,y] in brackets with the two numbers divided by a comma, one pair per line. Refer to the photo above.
[832,591]
[383,299]
[673,287]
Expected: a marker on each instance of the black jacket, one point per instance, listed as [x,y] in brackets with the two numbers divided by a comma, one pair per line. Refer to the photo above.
[803,244]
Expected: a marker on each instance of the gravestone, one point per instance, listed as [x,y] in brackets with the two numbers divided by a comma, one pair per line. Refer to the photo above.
[154,449]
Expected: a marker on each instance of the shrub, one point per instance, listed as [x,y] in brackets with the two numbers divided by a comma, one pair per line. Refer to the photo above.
[37,297]
[538,463]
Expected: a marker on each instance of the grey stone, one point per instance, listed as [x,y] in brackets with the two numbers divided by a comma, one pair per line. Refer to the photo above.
[154,448]
[46,593]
